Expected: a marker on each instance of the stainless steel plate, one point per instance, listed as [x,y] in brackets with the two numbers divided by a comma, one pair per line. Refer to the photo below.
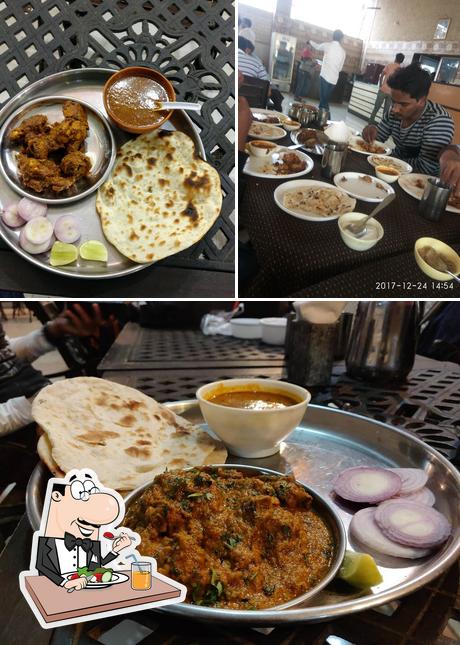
[86,85]
[326,442]
[99,147]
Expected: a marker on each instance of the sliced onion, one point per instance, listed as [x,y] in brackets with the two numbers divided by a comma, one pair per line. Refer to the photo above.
[412,524]
[412,479]
[364,528]
[67,229]
[11,217]
[423,496]
[371,485]
[38,230]
[28,209]
[34,249]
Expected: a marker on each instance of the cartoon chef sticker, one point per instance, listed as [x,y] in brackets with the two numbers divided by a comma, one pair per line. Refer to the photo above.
[69,555]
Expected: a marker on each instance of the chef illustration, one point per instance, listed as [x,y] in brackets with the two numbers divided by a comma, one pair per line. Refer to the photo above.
[72,522]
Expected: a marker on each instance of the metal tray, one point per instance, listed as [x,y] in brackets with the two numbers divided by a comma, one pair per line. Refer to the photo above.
[326,442]
[86,85]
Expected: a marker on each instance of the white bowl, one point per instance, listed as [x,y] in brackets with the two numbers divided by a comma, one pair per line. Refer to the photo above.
[359,243]
[246,328]
[264,149]
[274,330]
[252,433]
[291,127]
[385,177]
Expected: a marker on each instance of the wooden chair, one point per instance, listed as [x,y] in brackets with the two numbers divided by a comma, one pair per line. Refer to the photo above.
[256,91]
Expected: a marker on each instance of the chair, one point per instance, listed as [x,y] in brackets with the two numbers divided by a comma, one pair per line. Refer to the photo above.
[256,91]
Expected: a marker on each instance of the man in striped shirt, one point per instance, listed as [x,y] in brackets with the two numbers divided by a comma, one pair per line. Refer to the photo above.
[248,63]
[419,127]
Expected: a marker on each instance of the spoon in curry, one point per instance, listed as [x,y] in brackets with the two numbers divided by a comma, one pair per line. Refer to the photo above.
[177,105]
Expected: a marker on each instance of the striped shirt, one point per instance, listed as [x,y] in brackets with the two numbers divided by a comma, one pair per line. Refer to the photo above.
[420,143]
[250,65]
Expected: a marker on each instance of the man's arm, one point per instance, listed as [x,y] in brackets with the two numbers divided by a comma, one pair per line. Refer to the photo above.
[319,46]
[384,129]
[32,346]
[15,414]
[262,73]
[449,160]
[436,136]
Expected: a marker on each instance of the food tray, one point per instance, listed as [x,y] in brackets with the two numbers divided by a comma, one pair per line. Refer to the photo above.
[86,85]
[326,442]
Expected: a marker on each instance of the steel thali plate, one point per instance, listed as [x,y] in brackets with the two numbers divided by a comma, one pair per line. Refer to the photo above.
[326,442]
[86,85]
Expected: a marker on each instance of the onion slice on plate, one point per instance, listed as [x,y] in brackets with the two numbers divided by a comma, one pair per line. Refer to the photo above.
[412,524]
[28,209]
[413,479]
[371,485]
[364,529]
[423,496]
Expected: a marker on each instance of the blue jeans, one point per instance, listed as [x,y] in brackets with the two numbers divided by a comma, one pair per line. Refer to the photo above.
[325,90]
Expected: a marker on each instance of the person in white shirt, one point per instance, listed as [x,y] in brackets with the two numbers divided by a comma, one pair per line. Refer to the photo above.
[333,61]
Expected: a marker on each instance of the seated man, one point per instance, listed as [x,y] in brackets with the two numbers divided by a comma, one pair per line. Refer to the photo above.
[419,127]
[449,160]
[250,65]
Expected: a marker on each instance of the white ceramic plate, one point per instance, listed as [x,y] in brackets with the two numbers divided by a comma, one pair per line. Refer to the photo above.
[302,183]
[117,578]
[263,166]
[353,184]
[408,184]
[265,112]
[266,131]
[353,146]
[403,167]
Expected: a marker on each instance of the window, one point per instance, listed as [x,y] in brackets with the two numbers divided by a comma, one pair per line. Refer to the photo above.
[348,16]
[266,5]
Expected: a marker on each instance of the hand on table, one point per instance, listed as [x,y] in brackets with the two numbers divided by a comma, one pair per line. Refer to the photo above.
[75,321]
[244,121]
[450,169]
[76,585]
[370,133]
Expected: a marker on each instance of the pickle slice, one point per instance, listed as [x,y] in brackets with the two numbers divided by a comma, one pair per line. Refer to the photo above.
[359,570]
[62,253]
[94,250]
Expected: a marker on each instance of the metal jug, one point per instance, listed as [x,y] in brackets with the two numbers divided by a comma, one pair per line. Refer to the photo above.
[322,117]
[383,340]
[294,110]
[333,159]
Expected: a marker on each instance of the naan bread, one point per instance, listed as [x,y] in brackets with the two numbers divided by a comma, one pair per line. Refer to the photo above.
[122,434]
[161,197]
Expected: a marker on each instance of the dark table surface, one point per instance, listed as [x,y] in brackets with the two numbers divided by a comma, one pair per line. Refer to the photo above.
[297,256]
[192,44]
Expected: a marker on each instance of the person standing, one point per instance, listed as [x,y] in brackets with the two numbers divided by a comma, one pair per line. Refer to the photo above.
[333,61]
[384,93]
[307,66]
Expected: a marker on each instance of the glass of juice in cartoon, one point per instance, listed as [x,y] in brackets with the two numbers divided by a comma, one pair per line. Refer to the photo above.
[141,576]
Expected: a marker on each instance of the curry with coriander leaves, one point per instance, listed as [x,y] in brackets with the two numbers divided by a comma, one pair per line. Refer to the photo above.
[235,540]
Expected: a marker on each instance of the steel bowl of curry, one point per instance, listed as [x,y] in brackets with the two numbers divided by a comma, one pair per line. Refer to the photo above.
[252,416]
[131,99]
[238,537]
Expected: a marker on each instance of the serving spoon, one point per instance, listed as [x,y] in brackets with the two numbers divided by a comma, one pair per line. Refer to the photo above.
[443,265]
[177,105]
[359,229]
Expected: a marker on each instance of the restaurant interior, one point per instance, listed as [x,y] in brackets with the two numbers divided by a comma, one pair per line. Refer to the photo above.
[279,429]
[282,256]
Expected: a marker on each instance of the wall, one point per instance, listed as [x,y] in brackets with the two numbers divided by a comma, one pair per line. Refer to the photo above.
[392,32]
[264,23]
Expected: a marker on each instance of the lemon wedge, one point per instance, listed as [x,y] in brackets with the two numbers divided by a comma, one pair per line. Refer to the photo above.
[62,253]
[94,250]
[359,570]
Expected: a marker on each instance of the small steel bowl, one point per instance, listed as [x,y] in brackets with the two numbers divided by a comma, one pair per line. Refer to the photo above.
[320,504]
[99,146]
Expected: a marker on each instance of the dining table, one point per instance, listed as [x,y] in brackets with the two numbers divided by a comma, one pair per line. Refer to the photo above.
[299,258]
[170,365]
[192,45]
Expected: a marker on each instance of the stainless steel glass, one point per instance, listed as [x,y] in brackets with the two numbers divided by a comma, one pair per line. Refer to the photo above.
[383,340]
[434,200]
[334,157]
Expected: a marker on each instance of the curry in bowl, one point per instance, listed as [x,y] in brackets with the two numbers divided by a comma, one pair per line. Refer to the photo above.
[251,397]
[238,539]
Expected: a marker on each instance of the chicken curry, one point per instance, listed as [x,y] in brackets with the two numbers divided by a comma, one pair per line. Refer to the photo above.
[236,541]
